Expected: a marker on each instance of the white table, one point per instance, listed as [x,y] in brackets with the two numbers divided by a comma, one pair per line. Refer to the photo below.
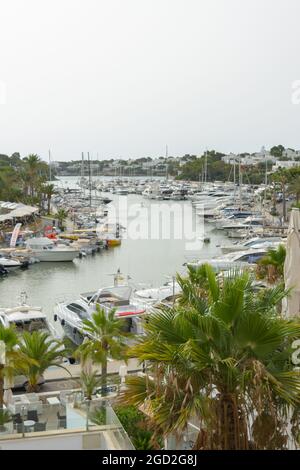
[53,401]
[29,423]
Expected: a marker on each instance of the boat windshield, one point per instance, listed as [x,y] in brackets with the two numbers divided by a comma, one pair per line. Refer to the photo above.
[115,294]
[36,324]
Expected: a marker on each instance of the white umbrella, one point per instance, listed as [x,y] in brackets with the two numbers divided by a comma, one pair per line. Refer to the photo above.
[292,265]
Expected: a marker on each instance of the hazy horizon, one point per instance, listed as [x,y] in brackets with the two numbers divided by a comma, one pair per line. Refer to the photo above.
[123,78]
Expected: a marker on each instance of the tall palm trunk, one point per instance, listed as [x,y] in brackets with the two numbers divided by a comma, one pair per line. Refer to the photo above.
[228,429]
[104,376]
[232,425]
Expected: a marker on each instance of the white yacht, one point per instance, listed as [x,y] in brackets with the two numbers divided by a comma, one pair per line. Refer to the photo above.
[44,249]
[24,317]
[242,259]
[12,263]
[253,243]
[149,297]
[117,297]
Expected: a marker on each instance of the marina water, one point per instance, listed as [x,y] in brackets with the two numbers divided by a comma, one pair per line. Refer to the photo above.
[148,262]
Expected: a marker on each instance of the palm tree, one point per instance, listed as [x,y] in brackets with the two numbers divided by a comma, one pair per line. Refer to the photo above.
[10,339]
[40,351]
[106,339]
[48,191]
[89,382]
[219,358]
[271,265]
[31,167]
[294,188]
[61,216]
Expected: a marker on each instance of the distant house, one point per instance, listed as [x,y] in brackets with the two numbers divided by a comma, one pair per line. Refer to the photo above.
[250,159]
[291,154]
[285,164]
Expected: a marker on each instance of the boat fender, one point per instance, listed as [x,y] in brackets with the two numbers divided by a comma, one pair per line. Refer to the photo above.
[55,317]
[63,322]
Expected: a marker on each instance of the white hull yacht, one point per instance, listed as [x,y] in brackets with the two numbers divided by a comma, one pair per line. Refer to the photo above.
[71,314]
[253,243]
[11,264]
[236,260]
[45,250]
[25,318]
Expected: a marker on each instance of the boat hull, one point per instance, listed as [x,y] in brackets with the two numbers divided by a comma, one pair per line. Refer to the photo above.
[113,242]
[52,256]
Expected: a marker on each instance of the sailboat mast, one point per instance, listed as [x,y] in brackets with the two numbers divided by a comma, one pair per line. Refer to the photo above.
[90,183]
[50,173]
[266,183]
[240,182]
[167,154]
[234,181]
[82,174]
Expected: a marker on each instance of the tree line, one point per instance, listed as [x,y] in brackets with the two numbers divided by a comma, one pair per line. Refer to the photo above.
[25,180]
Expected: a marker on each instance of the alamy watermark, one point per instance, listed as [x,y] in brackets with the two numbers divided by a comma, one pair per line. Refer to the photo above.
[155,221]
[296,353]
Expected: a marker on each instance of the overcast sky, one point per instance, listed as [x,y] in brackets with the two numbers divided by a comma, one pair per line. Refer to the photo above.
[123,78]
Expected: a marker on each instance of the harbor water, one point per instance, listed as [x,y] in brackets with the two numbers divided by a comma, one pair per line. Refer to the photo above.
[148,262]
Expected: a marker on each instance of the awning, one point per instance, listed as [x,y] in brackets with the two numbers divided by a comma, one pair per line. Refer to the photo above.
[16,210]
[5,217]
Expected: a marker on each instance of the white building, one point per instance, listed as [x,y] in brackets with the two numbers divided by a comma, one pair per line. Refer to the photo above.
[250,159]
[291,154]
[285,164]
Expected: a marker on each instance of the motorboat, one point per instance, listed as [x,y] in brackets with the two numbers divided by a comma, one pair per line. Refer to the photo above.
[10,263]
[240,260]
[3,271]
[149,297]
[116,297]
[25,318]
[253,243]
[45,249]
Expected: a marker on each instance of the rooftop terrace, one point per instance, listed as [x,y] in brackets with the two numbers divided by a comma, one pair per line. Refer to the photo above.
[65,420]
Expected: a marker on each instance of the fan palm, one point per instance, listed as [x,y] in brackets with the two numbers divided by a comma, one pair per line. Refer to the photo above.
[39,352]
[219,358]
[273,261]
[106,338]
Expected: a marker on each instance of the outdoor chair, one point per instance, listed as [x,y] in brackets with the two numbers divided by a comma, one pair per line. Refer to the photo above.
[17,418]
[62,421]
[40,427]
[19,428]
[32,415]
